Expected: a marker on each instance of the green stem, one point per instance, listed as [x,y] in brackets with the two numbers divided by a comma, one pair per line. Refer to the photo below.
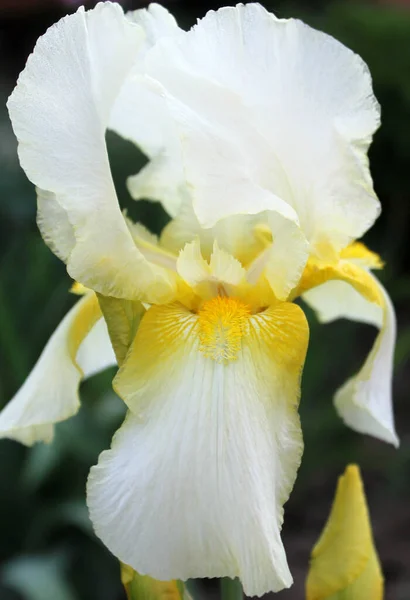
[231,589]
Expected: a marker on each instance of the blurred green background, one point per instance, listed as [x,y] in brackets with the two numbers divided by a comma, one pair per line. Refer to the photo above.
[47,547]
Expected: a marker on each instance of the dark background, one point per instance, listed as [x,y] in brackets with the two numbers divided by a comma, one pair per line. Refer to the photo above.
[47,548]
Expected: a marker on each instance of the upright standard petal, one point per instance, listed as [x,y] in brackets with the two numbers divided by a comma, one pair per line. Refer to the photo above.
[234,234]
[266,243]
[344,562]
[139,115]
[78,348]
[284,258]
[196,478]
[271,113]
[60,109]
[136,114]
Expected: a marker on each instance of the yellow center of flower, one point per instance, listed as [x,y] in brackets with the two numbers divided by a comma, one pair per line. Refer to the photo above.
[222,323]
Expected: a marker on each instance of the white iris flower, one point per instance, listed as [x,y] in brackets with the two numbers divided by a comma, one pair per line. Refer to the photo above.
[257,130]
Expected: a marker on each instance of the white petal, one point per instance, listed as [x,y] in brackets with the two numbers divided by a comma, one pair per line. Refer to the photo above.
[95,353]
[50,392]
[365,401]
[235,234]
[162,180]
[196,478]
[283,261]
[54,225]
[271,112]
[223,270]
[156,21]
[140,233]
[59,110]
[214,158]
[192,267]
[140,116]
[339,300]
[147,244]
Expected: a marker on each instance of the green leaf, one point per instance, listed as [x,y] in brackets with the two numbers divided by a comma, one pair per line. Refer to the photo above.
[231,589]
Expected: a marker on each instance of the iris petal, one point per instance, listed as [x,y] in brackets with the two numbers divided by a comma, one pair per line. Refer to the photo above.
[263,128]
[348,290]
[79,348]
[197,476]
[60,110]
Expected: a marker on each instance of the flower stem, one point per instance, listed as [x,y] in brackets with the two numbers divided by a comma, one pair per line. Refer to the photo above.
[231,589]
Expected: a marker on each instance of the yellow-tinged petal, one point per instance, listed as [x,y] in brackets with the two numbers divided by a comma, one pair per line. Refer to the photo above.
[196,479]
[222,324]
[365,401]
[191,265]
[361,255]
[336,299]
[284,260]
[235,234]
[344,563]
[221,275]
[123,318]
[317,272]
[259,242]
[50,392]
[143,587]
[226,268]
[282,328]
[147,244]
[140,233]
[258,296]
[78,289]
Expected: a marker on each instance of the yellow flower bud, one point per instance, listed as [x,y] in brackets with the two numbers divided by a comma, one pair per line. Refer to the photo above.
[344,562]
[143,587]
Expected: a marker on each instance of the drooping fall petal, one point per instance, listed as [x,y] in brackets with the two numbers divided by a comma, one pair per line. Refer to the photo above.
[365,401]
[197,476]
[79,348]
